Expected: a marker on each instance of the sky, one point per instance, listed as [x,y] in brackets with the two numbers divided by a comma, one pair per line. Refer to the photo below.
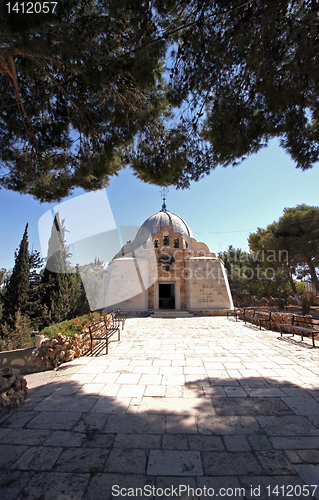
[221,209]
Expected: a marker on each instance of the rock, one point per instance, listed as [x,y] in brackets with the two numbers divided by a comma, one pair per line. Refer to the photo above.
[68,355]
[16,393]
[60,348]
[7,378]
[58,336]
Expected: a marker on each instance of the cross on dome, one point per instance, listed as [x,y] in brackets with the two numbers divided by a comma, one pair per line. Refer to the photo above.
[164,192]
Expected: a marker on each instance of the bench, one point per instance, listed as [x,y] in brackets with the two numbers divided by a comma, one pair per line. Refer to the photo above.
[103,329]
[234,313]
[258,317]
[119,318]
[303,328]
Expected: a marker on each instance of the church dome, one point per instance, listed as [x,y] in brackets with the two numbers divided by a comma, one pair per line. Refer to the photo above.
[164,218]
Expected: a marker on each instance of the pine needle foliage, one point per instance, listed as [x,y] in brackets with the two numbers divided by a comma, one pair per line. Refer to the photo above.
[172,89]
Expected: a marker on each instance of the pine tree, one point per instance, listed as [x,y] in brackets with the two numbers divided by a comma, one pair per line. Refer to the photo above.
[295,234]
[172,89]
[16,295]
[76,86]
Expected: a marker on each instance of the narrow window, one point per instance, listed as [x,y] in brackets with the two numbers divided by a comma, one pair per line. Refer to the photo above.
[166,240]
[176,242]
[155,243]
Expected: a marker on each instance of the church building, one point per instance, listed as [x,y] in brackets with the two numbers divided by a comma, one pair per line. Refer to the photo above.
[165,268]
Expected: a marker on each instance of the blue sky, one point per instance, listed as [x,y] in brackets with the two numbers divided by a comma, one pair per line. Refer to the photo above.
[221,209]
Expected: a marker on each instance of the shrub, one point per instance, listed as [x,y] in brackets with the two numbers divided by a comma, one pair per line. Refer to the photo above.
[16,334]
[70,327]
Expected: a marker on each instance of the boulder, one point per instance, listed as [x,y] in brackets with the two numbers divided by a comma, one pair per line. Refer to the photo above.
[13,388]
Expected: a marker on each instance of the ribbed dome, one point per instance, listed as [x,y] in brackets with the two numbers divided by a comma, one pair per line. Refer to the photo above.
[165,219]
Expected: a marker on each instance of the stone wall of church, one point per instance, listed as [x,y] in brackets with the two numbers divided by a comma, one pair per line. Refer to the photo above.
[173,254]
[207,284]
[132,283]
[151,292]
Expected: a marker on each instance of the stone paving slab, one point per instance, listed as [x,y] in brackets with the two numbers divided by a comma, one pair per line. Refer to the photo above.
[174,463]
[189,403]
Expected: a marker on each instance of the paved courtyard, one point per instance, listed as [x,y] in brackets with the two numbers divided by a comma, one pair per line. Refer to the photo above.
[190,408]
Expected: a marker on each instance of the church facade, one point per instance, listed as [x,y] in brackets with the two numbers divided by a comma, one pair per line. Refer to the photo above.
[165,268]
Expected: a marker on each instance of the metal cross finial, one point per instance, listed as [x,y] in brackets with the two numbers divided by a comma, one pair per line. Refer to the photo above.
[164,192]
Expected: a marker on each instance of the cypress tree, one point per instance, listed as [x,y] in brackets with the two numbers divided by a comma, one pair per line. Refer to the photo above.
[16,296]
[35,291]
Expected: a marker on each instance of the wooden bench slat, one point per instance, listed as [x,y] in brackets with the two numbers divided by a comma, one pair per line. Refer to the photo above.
[106,331]
[300,328]
[259,318]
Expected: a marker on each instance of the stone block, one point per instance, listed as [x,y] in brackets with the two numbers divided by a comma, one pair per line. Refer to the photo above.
[310,475]
[55,485]
[174,463]
[304,405]
[234,406]
[102,485]
[235,392]
[295,442]
[80,460]
[128,461]
[26,436]
[224,463]
[54,420]
[64,439]
[38,458]
[271,406]
[174,442]
[111,405]
[146,424]
[268,487]
[137,441]
[287,426]
[309,456]
[237,443]
[11,483]
[259,442]
[155,390]
[10,454]
[221,425]
[208,443]
[275,462]
[181,424]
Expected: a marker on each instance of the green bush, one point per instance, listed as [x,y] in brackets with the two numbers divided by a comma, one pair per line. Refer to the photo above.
[70,327]
[16,335]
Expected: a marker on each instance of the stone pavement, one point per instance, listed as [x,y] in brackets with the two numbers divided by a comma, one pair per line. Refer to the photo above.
[196,408]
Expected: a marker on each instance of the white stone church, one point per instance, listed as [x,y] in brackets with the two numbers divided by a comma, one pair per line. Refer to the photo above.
[164,269]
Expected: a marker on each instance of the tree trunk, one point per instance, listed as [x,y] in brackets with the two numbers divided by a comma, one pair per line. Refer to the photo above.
[313,274]
[293,286]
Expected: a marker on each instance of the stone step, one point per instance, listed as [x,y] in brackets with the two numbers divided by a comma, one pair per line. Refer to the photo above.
[171,313]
